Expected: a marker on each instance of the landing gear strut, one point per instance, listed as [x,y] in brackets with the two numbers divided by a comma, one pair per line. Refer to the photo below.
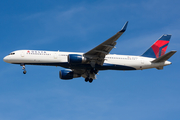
[24,69]
[95,71]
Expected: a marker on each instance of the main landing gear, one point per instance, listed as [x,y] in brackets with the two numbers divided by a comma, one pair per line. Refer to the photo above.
[24,69]
[88,79]
[95,71]
[90,75]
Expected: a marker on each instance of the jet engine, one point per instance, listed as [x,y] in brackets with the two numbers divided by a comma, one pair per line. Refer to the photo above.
[68,74]
[76,58]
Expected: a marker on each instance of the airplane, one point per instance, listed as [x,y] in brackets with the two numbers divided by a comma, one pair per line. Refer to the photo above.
[88,64]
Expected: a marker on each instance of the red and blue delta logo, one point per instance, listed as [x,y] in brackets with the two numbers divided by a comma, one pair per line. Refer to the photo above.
[159,47]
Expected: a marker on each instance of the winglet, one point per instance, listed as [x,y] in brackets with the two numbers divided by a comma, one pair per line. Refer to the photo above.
[124,27]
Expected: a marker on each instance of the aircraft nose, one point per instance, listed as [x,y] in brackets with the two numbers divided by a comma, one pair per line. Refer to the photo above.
[5,59]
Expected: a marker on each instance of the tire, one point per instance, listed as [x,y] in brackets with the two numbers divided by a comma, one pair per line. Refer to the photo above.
[90,80]
[86,79]
[24,72]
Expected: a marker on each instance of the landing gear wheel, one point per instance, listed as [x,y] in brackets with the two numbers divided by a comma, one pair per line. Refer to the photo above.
[90,80]
[24,72]
[86,79]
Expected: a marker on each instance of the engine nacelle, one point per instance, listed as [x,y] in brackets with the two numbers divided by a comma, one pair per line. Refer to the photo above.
[76,58]
[67,74]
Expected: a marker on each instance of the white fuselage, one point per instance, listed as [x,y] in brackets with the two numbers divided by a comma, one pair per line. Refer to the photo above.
[57,58]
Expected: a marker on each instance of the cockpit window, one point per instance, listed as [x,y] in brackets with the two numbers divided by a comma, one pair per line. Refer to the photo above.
[11,53]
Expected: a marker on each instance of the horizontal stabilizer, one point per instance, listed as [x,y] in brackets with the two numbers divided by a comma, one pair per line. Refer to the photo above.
[164,57]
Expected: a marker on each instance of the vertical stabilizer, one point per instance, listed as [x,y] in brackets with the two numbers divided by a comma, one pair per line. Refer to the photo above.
[158,48]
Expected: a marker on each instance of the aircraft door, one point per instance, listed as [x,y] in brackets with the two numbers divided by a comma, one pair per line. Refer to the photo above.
[22,54]
[55,55]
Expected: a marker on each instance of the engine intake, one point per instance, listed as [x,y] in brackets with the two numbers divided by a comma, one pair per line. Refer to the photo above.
[67,74]
[76,59]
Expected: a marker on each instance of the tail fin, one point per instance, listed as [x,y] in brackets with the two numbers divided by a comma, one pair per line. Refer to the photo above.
[158,48]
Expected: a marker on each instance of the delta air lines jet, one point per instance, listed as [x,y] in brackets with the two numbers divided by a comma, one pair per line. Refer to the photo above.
[88,64]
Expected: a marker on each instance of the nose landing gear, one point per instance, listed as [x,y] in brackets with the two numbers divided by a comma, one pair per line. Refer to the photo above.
[24,69]
[24,72]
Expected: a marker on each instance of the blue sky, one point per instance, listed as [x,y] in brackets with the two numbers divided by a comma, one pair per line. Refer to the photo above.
[79,26]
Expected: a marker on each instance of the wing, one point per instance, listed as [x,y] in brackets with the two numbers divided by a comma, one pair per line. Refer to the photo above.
[97,54]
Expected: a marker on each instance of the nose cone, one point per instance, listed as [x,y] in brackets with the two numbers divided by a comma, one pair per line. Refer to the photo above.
[6,59]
